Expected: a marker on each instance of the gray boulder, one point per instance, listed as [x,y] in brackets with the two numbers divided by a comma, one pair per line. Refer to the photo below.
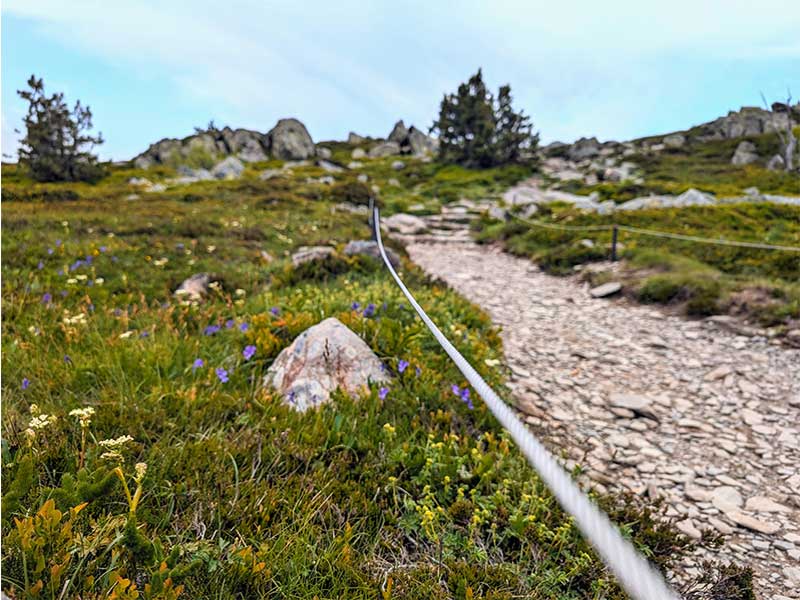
[358,153]
[355,139]
[398,165]
[420,144]
[674,140]
[405,224]
[325,357]
[324,152]
[290,140]
[194,288]
[399,133]
[384,149]
[584,148]
[330,166]
[307,254]
[745,154]
[230,168]
[270,173]
[370,248]
[776,163]
[606,289]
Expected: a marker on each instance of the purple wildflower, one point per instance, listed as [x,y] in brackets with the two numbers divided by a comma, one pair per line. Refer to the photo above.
[67,359]
[222,374]
[114,259]
[275,311]
[355,306]
[47,298]
[197,364]
[229,324]
[58,243]
[248,352]
[40,266]
[60,272]
[103,248]
[211,330]
[466,399]
[383,392]
[144,334]
[370,310]
[244,327]
[402,366]
[419,371]
[50,250]
[25,383]
[456,390]
[64,293]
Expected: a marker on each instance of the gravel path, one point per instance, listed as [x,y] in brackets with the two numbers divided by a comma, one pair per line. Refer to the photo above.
[651,403]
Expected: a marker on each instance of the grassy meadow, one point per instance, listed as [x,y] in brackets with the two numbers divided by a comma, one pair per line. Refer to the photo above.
[142,458]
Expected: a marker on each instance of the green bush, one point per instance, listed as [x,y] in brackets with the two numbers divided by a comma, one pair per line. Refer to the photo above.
[351,191]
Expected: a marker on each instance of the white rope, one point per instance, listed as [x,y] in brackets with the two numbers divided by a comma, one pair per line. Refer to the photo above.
[702,240]
[639,579]
[653,232]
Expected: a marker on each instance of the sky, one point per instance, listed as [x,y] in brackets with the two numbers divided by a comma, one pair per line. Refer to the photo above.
[617,69]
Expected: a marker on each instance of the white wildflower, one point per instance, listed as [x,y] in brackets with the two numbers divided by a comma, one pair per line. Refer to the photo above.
[116,443]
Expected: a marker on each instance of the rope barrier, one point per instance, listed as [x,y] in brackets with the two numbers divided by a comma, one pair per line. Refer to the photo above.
[639,579]
[655,233]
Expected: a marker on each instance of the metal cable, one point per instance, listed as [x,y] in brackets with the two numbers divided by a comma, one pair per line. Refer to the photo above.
[639,579]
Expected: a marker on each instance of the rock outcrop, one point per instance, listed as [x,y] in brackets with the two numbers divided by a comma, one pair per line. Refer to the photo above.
[288,140]
[409,140]
[745,154]
[325,357]
[370,248]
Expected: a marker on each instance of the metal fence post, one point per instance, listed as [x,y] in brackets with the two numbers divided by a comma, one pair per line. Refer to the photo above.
[614,233]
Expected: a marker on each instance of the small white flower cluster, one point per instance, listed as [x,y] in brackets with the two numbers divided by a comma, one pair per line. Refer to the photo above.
[160,262]
[79,319]
[84,415]
[38,422]
[116,443]
[141,469]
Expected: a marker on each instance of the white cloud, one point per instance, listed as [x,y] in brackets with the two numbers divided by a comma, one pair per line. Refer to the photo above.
[579,68]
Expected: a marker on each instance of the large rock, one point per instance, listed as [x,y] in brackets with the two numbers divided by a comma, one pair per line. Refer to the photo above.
[306,254]
[211,144]
[355,139]
[370,248]
[745,154]
[230,168]
[749,121]
[384,149]
[323,358]
[776,163]
[420,144]
[674,140]
[405,224]
[584,148]
[640,405]
[399,133]
[195,287]
[290,140]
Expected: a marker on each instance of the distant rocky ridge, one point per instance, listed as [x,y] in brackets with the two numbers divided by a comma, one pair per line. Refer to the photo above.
[288,140]
[591,161]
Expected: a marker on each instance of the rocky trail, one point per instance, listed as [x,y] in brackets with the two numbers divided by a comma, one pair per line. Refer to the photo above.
[645,402]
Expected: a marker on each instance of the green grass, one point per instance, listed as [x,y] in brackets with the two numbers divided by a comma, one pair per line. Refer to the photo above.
[703,278]
[701,165]
[414,495]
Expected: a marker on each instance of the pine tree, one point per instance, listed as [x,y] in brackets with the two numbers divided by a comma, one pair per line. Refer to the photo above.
[477,131]
[55,144]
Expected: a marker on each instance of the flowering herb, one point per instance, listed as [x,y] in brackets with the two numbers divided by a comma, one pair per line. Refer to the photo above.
[355,306]
[222,374]
[50,250]
[229,324]
[466,399]
[370,310]
[275,311]
[197,364]
[25,383]
[211,330]
[419,371]
[40,266]
[402,366]
[244,327]
[383,392]
[47,298]
[248,352]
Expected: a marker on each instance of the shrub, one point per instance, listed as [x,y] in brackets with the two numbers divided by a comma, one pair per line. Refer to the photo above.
[354,192]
